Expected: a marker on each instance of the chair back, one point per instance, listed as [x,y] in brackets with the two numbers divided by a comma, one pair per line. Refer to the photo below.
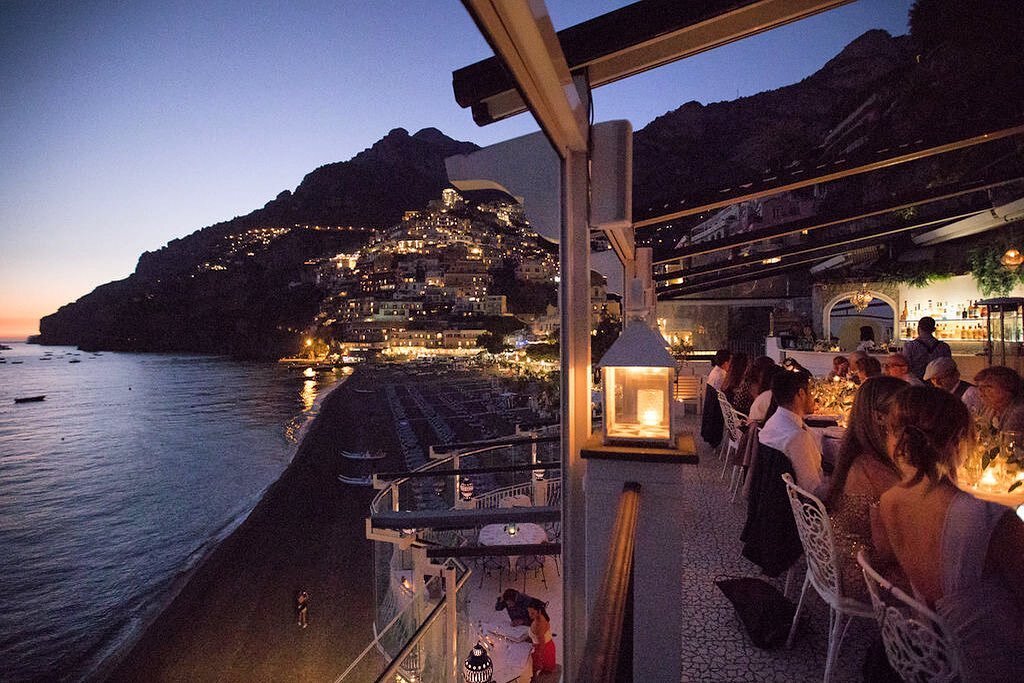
[731,418]
[918,645]
[815,530]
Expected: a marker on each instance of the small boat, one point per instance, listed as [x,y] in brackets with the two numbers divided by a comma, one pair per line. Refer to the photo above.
[363,391]
[17,362]
[356,481]
[366,455]
[29,399]
[46,358]
[75,360]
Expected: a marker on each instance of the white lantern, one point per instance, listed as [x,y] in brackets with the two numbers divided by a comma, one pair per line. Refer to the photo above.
[638,372]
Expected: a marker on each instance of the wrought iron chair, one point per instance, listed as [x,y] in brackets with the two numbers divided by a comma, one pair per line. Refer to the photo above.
[531,563]
[733,433]
[918,645]
[815,529]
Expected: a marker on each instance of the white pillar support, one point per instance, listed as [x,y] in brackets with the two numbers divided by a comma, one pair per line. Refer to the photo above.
[452,619]
[574,258]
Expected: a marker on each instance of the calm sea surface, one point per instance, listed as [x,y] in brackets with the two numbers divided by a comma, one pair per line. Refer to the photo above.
[112,489]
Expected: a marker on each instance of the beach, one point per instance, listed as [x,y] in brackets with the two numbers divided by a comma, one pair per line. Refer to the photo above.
[235,618]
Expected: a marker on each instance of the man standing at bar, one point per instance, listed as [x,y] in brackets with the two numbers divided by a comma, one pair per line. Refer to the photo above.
[925,348]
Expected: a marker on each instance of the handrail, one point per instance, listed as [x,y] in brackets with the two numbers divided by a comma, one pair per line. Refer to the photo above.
[604,633]
[417,474]
[435,613]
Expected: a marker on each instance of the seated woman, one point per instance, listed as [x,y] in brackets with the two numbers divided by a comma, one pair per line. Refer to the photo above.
[761,409]
[840,368]
[864,470]
[963,556]
[752,385]
[737,369]
[543,655]
[1002,398]
[865,368]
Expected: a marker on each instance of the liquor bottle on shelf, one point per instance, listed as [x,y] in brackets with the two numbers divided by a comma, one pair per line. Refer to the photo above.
[903,315]
[972,310]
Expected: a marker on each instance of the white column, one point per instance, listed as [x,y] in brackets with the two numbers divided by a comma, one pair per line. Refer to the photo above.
[574,258]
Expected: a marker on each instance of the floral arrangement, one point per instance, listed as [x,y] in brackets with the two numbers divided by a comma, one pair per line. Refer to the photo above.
[834,396]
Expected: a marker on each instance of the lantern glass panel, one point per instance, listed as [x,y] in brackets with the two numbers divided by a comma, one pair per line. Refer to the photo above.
[637,403]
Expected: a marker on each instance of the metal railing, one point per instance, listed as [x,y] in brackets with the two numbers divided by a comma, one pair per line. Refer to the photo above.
[414,635]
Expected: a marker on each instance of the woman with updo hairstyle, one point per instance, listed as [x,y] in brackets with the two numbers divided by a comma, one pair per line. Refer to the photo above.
[963,556]
[864,471]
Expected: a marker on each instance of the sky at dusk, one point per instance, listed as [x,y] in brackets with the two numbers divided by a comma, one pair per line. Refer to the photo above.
[126,124]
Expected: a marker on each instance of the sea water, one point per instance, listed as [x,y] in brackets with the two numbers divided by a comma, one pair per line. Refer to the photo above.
[119,482]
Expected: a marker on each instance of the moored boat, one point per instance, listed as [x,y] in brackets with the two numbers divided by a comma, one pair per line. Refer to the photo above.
[366,455]
[356,481]
[29,399]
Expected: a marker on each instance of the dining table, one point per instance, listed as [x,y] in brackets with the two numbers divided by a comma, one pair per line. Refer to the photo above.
[509,649]
[526,533]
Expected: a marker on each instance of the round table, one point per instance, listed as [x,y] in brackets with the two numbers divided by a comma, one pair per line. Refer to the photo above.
[527,534]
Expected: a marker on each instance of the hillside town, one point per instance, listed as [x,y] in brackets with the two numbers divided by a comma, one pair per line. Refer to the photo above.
[450,279]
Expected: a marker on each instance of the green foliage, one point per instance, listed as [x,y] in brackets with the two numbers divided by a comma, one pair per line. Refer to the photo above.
[542,352]
[915,274]
[494,343]
[991,275]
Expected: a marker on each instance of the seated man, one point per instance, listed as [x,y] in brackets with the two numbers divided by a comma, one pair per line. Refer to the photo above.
[786,432]
[944,374]
[516,604]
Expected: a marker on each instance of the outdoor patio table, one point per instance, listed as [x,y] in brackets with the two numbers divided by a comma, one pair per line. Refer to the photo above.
[510,657]
[527,534]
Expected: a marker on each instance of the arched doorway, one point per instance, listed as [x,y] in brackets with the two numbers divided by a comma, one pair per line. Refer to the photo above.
[841,320]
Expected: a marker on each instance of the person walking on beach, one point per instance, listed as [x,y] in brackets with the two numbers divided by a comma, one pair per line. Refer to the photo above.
[302,607]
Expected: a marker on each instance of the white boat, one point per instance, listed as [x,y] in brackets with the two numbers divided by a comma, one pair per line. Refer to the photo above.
[356,481]
[365,455]
[363,391]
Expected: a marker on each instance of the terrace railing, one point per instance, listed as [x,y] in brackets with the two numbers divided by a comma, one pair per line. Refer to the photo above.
[417,637]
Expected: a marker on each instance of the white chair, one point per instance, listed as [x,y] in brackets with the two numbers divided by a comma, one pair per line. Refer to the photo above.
[815,529]
[918,645]
[690,388]
[731,433]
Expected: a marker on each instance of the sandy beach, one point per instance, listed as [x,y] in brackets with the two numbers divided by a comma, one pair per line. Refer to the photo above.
[235,619]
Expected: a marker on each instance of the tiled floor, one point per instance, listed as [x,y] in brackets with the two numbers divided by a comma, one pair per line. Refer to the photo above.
[714,646]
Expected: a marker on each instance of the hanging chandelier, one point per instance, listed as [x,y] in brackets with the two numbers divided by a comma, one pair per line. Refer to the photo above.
[861,299]
[1012,259]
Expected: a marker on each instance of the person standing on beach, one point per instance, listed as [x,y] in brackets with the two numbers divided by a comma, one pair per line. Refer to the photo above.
[302,607]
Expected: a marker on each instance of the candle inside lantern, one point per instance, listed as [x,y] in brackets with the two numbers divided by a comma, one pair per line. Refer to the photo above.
[511,529]
[650,403]
[988,478]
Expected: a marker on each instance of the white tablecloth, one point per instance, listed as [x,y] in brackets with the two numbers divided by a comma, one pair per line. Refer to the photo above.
[528,533]
[511,658]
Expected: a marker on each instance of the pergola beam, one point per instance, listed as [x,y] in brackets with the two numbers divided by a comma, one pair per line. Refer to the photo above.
[522,36]
[631,40]
[842,168]
[825,221]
